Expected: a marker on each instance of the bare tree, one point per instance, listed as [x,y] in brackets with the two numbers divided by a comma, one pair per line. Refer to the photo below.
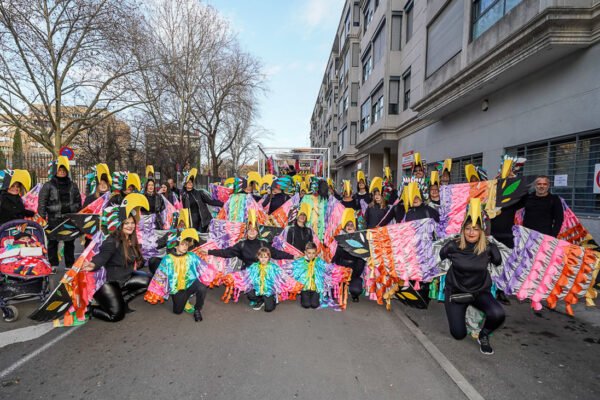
[67,65]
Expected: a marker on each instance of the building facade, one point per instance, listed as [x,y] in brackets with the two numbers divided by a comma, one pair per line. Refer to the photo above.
[472,80]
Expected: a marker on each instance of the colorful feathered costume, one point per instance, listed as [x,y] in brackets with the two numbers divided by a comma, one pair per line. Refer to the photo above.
[329,280]
[266,280]
[236,209]
[176,273]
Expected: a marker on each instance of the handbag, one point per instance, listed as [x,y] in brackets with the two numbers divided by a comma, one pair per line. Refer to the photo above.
[462,298]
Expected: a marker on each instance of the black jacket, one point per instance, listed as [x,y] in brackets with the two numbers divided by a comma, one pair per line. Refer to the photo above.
[52,204]
[544,214]
[11,208]
[366,197]
[111,256]
[421,212]
[468,272]
[345,259]
[274,202]
[374,217]
[246,251]
[299,236]
[196,200]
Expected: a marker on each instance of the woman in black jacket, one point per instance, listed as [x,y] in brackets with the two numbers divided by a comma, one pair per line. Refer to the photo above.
[155,200]
[11,203]
[246,249]
[299,234]
[345,259]
[120,255]
[468,281]
[197,201]
[378,213]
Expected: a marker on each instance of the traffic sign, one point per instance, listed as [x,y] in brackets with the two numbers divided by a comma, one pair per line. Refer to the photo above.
[67,152]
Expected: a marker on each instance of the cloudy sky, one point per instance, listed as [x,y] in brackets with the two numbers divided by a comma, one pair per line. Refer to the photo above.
[293,38]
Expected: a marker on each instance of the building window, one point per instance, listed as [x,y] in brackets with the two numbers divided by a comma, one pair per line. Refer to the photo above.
[408,12]
[367,68]
[356,15]
[394,96]
[379,45]
[341,140]
[353,129]
[575,156]
[365,115]
[354,94]
[457,175]
[367,16]
[377,108]
[445,36]
[406,86]
[487,12]
[355,54]
[396,33]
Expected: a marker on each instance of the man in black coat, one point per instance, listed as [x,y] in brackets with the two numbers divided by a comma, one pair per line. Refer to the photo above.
[59,196]
[543,210]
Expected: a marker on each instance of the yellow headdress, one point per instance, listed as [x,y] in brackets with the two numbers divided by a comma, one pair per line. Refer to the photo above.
[507,166]
[304,187]
[102,169]
[184,218]
[404,198]
[360,176]
[149,171]
[305,209]
[63,162]
[307,178]
[191,175]
[413,191]
[297,179]
[329,182]
[376,184]
[254,177]
[268,180]
[21,176]
[133,179]
[470,172]
[347,188]
[189,233]
[447,167]
[435,178]
[348,216]
[474,212]
[228,182]
[418,161]
[134,201]
[252,220]
[387,173]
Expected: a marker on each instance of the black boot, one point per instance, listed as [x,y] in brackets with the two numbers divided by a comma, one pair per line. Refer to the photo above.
[197,316]
[355,299]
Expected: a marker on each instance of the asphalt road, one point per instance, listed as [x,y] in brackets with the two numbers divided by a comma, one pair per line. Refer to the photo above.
[292,353]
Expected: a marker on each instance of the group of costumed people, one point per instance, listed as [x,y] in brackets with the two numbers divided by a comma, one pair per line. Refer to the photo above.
[276,238]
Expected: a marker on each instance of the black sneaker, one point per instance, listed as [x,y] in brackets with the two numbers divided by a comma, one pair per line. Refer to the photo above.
[259,305]
[484,345]
[197,316]
[355,299]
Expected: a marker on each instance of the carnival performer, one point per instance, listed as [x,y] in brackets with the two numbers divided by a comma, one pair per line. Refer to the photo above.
[99,182]
[345,259]
[543,210]
[309,271]
[446,169]
[59,196]
[246,250]
[253,182]
[390,194]
[434,190]
[418,170]
[468,281]
[362,192]
[170,195]
[15,184]
[196,200]
[181,274]
[346,197]
[277,196]
[417,208]
[121,256]
[378,213]
[155,200]
[475,174]
[298,235]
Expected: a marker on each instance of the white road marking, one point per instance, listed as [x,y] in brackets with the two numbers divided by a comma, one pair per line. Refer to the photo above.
[463,384]
[19,363]
[24,334]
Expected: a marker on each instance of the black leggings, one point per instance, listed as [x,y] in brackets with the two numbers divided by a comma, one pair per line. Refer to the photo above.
[112,298]
[484,302]
[356,283]
[309,299]
[181,297]
[269,301]
[69,253]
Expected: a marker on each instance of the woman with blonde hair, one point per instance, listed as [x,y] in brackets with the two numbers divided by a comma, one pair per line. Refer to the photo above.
[468,281]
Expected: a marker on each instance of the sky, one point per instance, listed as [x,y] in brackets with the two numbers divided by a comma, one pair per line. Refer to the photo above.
[293,40]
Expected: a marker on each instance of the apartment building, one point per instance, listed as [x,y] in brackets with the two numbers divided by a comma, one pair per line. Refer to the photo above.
[475,79]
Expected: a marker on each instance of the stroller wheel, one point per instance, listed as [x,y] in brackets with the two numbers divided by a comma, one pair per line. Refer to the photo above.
[11,314]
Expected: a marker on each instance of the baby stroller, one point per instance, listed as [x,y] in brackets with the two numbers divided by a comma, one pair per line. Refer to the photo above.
[24,267]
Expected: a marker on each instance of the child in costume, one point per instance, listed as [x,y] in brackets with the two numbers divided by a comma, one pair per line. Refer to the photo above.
[181,274]
[345,259]
[264,282]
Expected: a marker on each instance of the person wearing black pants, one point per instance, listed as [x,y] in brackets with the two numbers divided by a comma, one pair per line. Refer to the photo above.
[310,299]
[269,301]
[468,281]
[345,259]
